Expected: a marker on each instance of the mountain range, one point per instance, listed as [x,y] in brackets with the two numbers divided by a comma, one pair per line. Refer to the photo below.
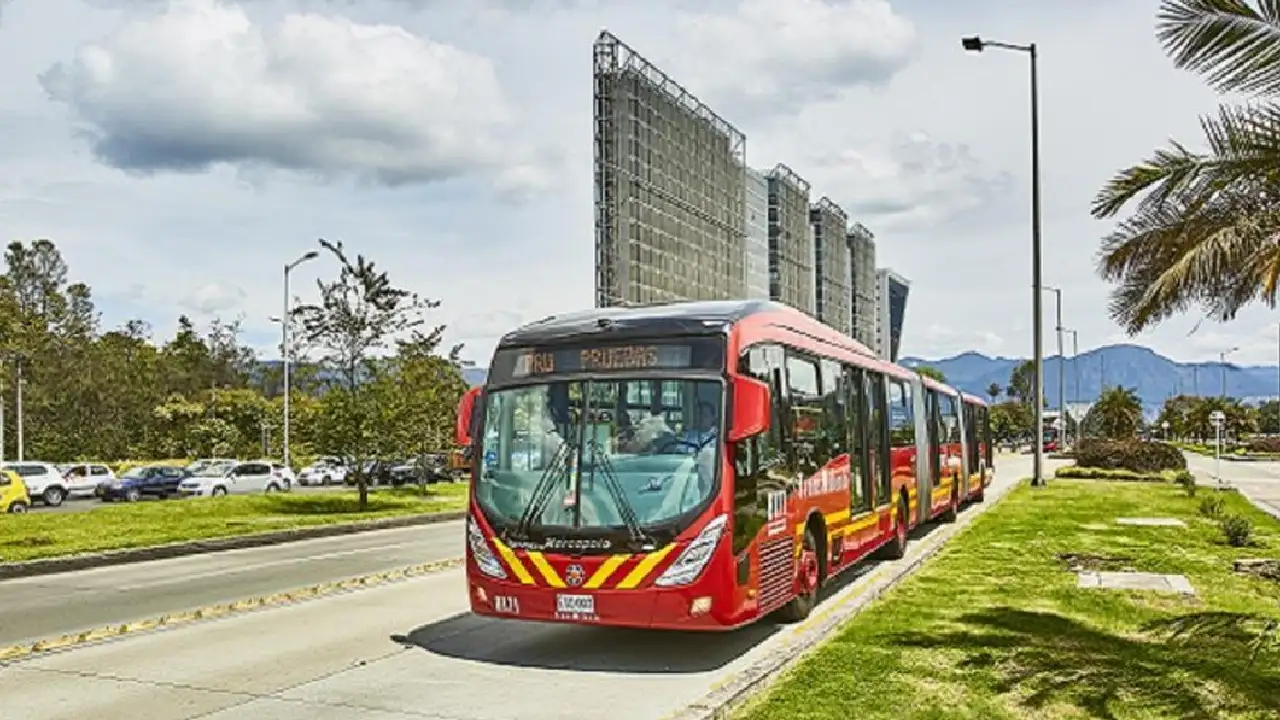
[1152,376]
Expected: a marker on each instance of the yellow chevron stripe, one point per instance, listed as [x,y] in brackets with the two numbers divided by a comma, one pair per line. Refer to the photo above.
[865,521]
[835,517]
[604,571]
[638,573]
[544,568]
[513,562]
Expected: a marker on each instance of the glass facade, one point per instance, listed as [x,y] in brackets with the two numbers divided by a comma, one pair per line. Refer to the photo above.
[757,245]
[891,312]
[669,177]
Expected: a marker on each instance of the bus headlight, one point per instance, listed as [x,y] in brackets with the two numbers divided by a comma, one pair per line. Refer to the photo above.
[482,554]
[691,562]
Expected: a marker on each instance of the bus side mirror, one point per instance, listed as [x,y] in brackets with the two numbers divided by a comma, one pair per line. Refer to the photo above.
[462,431]
[751,409]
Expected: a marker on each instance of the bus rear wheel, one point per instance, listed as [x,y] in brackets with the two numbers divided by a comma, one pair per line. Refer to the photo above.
[810,580]
[953,512]
[897,547]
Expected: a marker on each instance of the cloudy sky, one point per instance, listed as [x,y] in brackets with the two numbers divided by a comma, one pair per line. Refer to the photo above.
[181,151]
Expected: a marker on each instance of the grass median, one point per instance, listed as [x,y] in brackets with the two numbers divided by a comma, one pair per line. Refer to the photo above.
[117,526]
[994,627]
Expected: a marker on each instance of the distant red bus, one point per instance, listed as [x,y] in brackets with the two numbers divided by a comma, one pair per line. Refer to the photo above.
[699,465]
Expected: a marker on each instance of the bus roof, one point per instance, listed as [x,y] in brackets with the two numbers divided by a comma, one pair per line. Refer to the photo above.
[971,398]
[686,318]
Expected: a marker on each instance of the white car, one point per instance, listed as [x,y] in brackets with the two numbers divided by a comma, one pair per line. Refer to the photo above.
[46,483]
[246,478]
[325,471]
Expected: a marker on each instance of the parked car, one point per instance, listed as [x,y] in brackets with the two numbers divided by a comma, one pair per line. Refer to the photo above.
[80,475]
[13,493]
[46,484]
[158,481]
[202,463]
[254,476]
[284,473]
[324,471]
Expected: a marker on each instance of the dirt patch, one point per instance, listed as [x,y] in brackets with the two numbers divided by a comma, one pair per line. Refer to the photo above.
[1079,562]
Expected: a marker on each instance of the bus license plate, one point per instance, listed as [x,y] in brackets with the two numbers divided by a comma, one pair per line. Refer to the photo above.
[576,604]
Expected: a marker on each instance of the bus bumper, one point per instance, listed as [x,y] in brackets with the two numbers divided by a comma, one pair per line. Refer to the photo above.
[676,609]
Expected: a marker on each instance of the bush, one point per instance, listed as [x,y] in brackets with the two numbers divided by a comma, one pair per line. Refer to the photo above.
[1182,477]
[1268,445]
[1187,481]
[1138,456]
[1212,506]
[1238,530]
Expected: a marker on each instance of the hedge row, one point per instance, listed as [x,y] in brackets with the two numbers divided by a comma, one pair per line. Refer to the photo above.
[1138,456]
[1269,445]
[1094,473]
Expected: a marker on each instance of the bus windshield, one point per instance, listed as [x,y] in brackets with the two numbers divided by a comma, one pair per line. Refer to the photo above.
[607,453]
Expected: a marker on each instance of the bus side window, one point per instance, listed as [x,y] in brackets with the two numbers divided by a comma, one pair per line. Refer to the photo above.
[878,436]
[755,457]
[860,477]
[806,452]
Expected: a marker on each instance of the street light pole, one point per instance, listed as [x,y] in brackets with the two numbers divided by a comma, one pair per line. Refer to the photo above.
[284,349]
[1062,375]
[1222,360]
[18,402]
[977,44]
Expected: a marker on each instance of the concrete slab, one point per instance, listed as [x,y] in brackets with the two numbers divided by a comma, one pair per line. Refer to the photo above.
[1154,582]
[1151,522]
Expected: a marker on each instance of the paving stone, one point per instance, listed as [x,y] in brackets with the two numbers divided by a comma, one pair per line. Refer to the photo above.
[1151,522]
[1135,581]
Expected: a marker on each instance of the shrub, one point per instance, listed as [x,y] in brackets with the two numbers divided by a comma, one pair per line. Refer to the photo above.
[1238,530]
[1187,481]
[1212,506]
[1093,473]
[1135,455]
[1269,445]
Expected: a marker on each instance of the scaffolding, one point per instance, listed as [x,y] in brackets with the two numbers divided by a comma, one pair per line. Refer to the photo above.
[832,281]
[670,200]
[864,291]
[791,256]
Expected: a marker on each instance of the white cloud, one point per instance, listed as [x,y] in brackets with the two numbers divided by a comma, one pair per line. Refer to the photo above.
[215,298]
[201,84]
[775,55]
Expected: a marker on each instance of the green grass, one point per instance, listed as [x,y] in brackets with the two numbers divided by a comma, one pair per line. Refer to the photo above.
[116,526]
[995,627]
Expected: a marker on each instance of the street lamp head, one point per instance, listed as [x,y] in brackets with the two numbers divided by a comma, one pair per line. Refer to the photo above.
[972,44]
[274,318]
[311,255]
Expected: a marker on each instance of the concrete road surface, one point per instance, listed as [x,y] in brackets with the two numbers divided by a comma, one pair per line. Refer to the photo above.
[48,605]
[1259,480]
[392,652]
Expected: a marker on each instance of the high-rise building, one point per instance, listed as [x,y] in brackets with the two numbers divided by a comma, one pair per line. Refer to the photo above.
[864,291]
[832,265]
[891,310]
[669,198]
[756,267]
[791,277]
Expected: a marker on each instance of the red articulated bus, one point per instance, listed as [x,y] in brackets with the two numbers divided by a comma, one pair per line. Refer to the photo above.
[699,465]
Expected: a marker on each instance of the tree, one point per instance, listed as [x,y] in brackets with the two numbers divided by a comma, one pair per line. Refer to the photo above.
[932,372]
[1203,233]
[1022,381]
[1269,417]
[1117,414]
[358,314]
[1012,420]
[994,391]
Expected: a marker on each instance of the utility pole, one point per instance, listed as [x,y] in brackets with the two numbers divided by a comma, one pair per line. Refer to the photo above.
[21,382]
[284,348]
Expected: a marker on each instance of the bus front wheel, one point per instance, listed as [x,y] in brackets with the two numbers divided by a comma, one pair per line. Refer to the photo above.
[810,579]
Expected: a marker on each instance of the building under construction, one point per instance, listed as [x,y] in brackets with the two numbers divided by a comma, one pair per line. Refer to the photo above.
[791,276]
[757,220]
[865,290]
[669,174]
[832,291]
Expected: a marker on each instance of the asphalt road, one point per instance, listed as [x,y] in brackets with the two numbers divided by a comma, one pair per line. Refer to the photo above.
[395,652]
[1259,480]
[38,607]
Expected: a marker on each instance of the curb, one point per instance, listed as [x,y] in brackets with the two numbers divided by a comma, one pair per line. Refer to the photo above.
[730,694]
[50,566]
[24,651]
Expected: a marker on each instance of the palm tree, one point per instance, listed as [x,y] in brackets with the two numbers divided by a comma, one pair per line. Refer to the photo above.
[1117,414]
[1206,231]
[994,391]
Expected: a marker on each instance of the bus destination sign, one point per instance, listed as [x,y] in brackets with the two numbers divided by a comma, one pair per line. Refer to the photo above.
[521,364]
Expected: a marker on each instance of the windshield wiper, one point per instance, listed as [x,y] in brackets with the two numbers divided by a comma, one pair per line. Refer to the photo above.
[628,513]
[544,488]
